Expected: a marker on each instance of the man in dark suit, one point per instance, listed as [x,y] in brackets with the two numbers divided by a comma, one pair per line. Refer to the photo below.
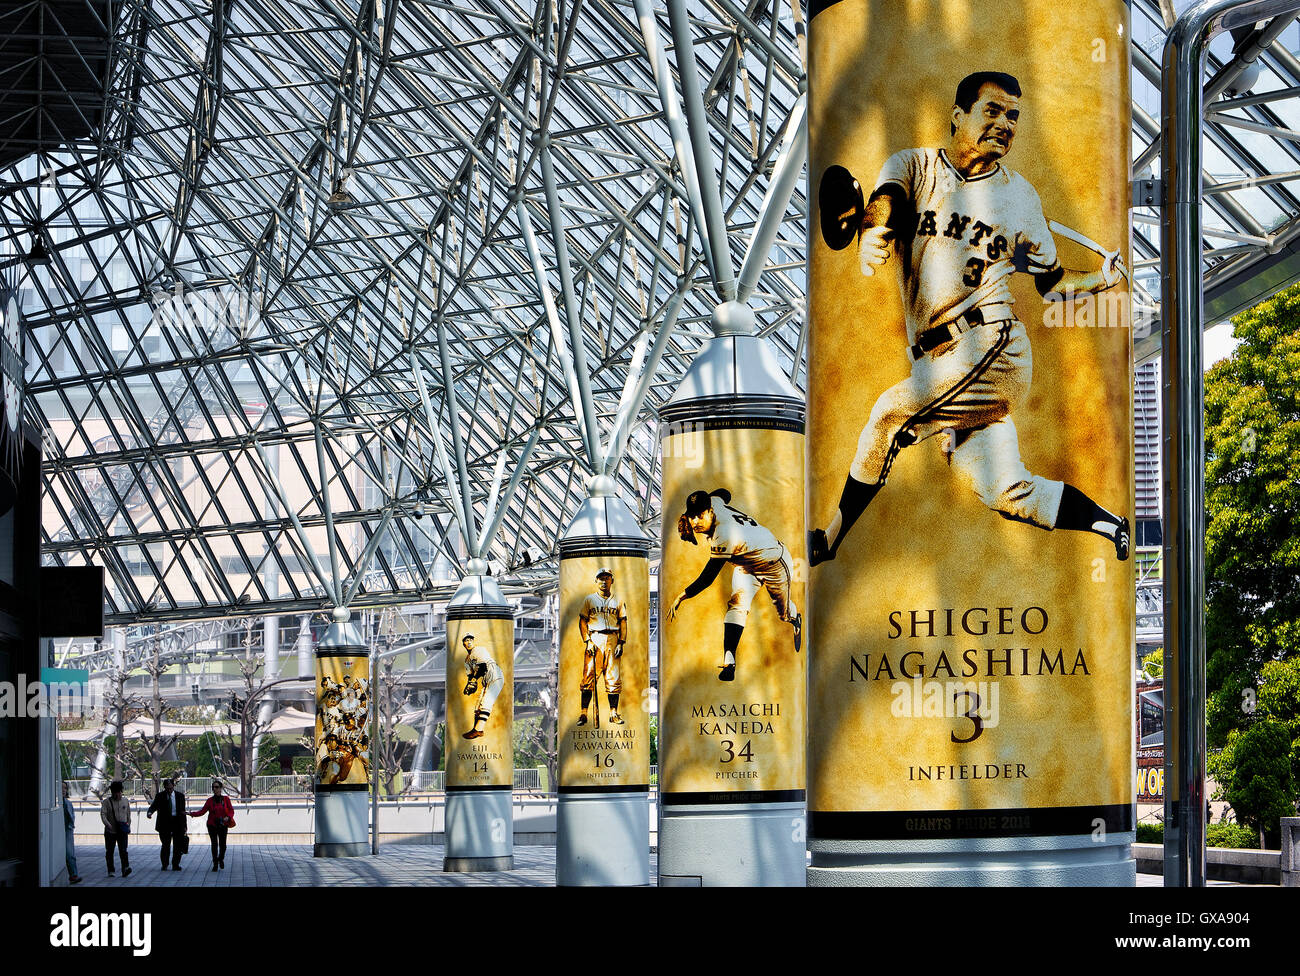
[172,822]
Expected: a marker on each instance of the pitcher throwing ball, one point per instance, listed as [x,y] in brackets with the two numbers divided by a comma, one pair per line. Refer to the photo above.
[757,557]
[961,224]
[484,678]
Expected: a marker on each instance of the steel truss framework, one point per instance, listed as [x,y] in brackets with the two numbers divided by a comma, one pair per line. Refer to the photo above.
[347,292]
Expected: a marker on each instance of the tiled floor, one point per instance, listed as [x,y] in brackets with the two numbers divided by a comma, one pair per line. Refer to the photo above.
[292,865]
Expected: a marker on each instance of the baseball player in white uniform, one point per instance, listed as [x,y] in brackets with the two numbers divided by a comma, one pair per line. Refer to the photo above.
[484,677]
[757,557]
[330,760]
[962,224]
[602,625]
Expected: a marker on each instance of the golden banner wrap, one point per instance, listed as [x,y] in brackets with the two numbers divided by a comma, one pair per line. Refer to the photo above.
[731,667]
[969,514]
[604,714]
[343,715]
[480,702]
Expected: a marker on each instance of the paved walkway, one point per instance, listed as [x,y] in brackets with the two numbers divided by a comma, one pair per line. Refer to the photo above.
[292,865]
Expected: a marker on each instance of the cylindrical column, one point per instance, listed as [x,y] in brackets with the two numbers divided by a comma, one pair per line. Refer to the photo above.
[304,646]
[271,671]
[603,816]
[971,591]
[270,625]
[479,739]
[342,740]
[731,666]
[98,774]
[1182,161]
[422,761]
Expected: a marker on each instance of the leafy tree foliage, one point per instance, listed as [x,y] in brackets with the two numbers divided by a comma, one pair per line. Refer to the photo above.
[1154,663]
[1254,772]
[1252,543]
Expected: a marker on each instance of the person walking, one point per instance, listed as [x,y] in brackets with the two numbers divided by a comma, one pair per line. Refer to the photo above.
[171,825]
[221,817]
[115,812]
[69,836]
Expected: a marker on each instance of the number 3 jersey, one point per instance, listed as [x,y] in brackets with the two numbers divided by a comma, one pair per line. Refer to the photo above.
[967,237]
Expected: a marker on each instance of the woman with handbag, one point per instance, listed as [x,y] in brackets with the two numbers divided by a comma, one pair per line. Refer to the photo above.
[115,812]
[221,817]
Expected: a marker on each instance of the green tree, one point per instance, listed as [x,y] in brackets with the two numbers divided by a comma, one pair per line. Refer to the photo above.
[1252,573]
[1254,772]
[198,754]
[1154,663]
[1279,701]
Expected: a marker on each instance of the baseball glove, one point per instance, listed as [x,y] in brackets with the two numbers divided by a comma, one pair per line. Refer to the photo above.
[471,686]
[684,530]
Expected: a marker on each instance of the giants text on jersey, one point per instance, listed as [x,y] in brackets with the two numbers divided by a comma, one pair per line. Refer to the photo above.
[967,236]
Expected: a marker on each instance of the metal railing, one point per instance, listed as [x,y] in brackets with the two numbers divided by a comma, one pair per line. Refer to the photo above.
[528,779]
[196,786]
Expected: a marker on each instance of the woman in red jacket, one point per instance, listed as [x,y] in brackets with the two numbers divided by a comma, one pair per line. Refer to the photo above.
[221,817]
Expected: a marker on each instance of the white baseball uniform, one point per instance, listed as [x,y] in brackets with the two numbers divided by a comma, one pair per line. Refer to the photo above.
[971,235]
[492,681]
[350,703]
[331,717]
[604,615]
[757,558]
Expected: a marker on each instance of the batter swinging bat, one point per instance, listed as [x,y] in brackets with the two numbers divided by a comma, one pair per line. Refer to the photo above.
[1070,234]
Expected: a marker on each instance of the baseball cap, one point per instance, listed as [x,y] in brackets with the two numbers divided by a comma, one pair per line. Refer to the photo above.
[698,502]
[604,571]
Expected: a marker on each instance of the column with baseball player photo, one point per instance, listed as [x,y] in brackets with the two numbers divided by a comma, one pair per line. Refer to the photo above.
[342,757]
[731,639]
[970,445]
[479,738]
[603,813]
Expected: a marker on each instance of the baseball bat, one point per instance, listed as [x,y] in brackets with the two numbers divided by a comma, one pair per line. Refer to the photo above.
[1070,234]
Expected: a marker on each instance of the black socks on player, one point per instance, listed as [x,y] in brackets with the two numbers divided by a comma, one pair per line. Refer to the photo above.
[731,638]
[854,499]
[730,641]
[1082,514]
[586,701]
